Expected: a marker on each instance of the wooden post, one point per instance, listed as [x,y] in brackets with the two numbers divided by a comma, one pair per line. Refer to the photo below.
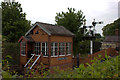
[26,49]
[20,49]
[65,48]
[72,47]
[49,50]
[20,57]
[58,49]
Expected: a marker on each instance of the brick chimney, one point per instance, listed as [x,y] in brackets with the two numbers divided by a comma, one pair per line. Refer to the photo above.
[116,32]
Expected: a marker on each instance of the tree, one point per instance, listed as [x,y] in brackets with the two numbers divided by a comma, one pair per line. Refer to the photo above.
[14,23]
[73,21]
[109,29]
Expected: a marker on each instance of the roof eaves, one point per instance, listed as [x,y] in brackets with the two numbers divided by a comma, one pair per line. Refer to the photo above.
[63,35]
[44,29]
[40,27]
[30,29]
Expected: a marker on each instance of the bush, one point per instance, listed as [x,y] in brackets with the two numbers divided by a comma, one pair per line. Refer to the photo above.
[107,69]
[12,49]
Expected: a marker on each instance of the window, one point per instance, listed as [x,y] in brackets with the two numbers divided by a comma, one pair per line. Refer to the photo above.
[37,48]
[54,49]
[68,48]
[23,47]
[61,48]
[44,48]
[37,32]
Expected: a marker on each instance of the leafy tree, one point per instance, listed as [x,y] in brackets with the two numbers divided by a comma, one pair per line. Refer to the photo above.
[109,29]
[72,20]
[14,23]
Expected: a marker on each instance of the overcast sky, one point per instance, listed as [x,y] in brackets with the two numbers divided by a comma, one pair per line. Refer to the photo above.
[45,10]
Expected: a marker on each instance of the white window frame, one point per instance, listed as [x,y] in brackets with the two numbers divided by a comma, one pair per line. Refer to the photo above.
[68,51]
[53,49]
[46,49]
[63,46]
[37,48]
[24,49]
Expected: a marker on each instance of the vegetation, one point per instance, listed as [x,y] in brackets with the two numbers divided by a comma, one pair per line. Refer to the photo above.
[6,73]
[84,47]
[12,49]
[105,68]
[14,23]
[72,20]
[109,29]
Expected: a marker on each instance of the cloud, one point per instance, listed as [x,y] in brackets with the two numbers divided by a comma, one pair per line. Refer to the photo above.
[45,10]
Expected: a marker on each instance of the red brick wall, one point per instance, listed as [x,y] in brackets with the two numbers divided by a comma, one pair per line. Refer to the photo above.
[41,37]
[61,39]
[109,52]
[52,61]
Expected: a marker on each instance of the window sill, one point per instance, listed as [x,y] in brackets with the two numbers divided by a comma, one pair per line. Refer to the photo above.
[23,55]
[54,56]
[45,56]
[68,55]
[61,55]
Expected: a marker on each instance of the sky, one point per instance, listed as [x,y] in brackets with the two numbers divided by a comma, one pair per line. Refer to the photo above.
[45,10]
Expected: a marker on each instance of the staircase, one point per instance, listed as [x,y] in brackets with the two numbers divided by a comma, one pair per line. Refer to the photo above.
[29,60]
[32,64]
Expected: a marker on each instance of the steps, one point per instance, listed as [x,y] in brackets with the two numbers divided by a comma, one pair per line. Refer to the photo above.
[35,61]
[29,60]
[32,64]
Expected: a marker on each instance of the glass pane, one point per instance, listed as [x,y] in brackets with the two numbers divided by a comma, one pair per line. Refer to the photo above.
[23,47]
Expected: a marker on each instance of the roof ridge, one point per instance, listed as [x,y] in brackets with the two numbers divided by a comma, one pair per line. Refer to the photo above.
[52,29]
[47,23]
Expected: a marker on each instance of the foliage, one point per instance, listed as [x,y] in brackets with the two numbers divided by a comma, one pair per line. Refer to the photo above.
[109,29]
[14,23]
[13,50]
[6,73]
[84,47]
[99,38]
[72,20]
[106,69]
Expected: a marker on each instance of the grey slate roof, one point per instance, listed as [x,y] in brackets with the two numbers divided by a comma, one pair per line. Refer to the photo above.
[52,29]
[112,39]
[28,38]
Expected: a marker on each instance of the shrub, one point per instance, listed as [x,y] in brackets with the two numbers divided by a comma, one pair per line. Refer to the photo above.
[107,69]
[12,49]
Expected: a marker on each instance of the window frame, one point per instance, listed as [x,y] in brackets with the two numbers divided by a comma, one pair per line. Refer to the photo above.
[23,48]
[37,48]
[68,48]
[46,49]
[53,49]
[62,49]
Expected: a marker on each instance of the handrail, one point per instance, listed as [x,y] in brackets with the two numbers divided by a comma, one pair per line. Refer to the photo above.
[29,60]
[35,61]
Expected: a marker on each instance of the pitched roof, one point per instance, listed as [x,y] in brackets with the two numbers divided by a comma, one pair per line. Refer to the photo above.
[27,38]
[52,29]
[112,39]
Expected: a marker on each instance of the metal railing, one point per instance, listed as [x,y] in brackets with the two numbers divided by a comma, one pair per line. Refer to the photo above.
[29,60]
[35,61]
